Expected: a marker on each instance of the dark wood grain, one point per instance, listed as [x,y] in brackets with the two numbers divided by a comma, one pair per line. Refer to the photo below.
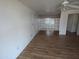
[52,47]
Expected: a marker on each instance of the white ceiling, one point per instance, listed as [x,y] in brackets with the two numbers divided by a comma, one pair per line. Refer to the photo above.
[44,7]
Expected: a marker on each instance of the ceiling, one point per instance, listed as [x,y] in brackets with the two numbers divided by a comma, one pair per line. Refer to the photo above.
[44,7]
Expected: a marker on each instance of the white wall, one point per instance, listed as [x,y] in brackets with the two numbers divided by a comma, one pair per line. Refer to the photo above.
[72,23]
[78,27]
[63,23]
[64,19]
[18,25]
[43,26]
[78,30]
[57,20]
[69,24]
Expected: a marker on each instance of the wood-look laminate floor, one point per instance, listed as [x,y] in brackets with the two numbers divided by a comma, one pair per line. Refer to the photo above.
[52,47]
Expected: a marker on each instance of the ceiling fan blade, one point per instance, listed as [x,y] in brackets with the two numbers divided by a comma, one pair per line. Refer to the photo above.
[75,3]
[73,6]
[65,2]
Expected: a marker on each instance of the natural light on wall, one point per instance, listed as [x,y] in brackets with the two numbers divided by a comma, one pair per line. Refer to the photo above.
[49,25]
[49,21]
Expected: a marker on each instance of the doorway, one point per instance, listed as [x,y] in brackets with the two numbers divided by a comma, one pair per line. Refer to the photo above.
[73,24]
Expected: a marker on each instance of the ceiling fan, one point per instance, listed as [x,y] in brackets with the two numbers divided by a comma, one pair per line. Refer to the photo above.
[70,4]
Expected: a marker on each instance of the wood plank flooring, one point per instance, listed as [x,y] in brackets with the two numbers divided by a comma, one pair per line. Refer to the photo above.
[52,47]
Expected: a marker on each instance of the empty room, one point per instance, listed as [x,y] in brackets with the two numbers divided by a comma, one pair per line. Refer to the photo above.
[39,29]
